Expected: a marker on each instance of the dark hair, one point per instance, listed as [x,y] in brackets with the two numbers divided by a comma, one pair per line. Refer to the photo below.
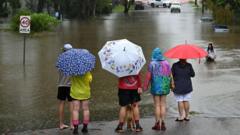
[210,47]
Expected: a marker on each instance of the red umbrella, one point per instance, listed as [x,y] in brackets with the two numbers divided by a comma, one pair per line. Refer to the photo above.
[186,51]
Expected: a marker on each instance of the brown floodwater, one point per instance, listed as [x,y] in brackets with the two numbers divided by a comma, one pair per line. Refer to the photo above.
[28,93]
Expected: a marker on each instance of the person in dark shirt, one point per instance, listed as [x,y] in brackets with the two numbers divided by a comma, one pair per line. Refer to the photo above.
[182,72]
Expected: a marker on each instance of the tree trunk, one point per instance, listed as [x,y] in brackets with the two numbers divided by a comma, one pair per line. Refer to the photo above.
[40,5]
[196,4]
[203,6]
[125,4]
[94,8]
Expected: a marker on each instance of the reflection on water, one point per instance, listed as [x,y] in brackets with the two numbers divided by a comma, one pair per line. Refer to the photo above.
[28,94]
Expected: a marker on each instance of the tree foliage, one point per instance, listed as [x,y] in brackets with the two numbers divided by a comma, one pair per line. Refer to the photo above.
[8,5]
[67,8]
[224,11]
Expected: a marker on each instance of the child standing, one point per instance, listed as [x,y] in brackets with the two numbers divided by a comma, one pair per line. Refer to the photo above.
[129,94]
[63,94]
[80,92]
[159,74]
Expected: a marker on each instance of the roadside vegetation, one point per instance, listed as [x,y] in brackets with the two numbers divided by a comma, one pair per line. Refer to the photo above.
[70,9]
[39,21]
[225,11]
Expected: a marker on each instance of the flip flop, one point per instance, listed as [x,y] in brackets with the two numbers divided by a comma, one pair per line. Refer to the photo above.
[178,120]
[186,119]
[64,127]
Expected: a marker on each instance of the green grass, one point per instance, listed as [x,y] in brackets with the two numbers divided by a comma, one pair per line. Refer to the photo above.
[120,9]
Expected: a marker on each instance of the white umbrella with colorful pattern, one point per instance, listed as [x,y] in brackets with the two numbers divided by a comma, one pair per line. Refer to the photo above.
[122,57]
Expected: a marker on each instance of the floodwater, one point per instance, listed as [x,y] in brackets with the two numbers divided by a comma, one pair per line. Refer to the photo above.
[28,93]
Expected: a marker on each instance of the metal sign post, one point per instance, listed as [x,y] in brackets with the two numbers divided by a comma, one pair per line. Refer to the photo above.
[24,48]
[24,28]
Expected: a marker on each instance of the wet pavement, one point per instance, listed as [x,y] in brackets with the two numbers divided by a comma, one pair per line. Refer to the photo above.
[196,126]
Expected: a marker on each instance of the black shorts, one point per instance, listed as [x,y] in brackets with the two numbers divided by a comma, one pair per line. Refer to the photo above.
[64,93]
[127,97]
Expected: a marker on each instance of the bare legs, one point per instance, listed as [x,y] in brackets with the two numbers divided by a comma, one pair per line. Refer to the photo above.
[160,108]
[186,109]
[183,109]
[61,114]
[122,114]
[136,113]
[86,112]
[76,109]
[71,117]
[75,115]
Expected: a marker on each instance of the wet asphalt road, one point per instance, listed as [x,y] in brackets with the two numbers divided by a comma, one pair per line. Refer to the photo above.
[196,126]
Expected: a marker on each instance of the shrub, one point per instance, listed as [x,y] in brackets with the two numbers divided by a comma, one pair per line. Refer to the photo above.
[103,7]
[42,22]
[39,21]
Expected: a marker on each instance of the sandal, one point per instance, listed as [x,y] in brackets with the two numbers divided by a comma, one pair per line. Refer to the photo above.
[163,127]
[179,120]
[186,119]
[138,128]
[119,129]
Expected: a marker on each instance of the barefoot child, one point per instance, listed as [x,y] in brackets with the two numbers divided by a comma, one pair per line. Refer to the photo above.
[80,92]
[63,94]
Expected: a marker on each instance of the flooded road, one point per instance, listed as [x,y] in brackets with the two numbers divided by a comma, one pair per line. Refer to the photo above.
[28,93]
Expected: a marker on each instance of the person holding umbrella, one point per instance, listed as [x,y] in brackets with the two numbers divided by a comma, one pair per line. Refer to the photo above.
[64,93]
[159,74]
[182,72]
[78,63]
[125,59]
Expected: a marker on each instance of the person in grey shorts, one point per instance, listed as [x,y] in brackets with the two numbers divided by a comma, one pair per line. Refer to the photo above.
[64,94]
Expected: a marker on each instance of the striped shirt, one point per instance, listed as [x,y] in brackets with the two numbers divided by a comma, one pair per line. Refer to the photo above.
[63,81]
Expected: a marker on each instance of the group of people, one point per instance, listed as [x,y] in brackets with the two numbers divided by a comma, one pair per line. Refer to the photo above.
[160,75]
[75,89]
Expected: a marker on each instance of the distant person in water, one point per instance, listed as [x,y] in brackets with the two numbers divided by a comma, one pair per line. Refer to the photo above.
[63,94]
[211,53]
[182,72]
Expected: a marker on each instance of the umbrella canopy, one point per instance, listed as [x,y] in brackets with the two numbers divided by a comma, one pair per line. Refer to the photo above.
[122,57]
[76,62]
[186,51]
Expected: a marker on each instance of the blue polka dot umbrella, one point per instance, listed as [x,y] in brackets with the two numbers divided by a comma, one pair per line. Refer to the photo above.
[76,62]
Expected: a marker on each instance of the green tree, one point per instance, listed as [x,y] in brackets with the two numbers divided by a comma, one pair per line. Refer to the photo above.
[196,3]
[15,4]
[224,11]
[3,8]
[127,4]
[32,5]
